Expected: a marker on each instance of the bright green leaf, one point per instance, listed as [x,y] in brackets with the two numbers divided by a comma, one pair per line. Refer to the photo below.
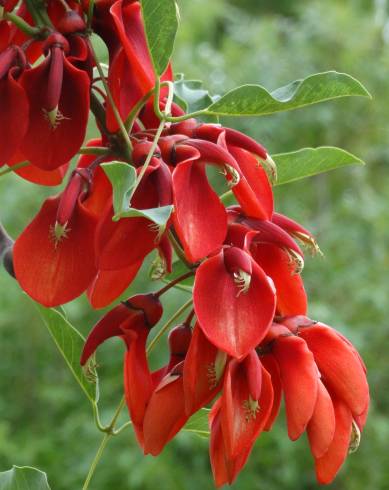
[255,100]
[311,161]
[70,344]
[23,478]
[161,24]
[198,423]
[122,177]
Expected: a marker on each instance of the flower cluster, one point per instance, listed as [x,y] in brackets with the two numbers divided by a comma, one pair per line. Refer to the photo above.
[247,342]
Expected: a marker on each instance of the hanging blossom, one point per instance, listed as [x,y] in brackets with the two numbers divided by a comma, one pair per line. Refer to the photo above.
[247,343]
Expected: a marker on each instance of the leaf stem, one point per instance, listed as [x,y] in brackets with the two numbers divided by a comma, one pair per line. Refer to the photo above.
[134,111]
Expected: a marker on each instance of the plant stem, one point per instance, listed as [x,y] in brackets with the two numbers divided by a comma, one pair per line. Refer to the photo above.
[94,150]
[21,24]
[96,460]
[14,167]
[173,283]
[109,432]
[134,111]
[165,327]
[123,130]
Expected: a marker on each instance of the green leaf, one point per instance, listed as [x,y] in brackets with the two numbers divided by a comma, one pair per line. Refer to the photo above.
[255,100]
[23,478]
[198,423]
[159,216]
[192,97]
[161,24]
[311,161]
[122,177]
[70,344]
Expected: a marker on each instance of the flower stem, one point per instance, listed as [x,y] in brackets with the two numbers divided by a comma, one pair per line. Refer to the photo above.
[168,324]
[173,283]
[14,167]
[123,130]
[22,25]
[94,150]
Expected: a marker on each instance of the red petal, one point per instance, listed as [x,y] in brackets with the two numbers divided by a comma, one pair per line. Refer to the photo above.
[291,296]
[342,371]
[200,218]
[199,377]
[299,377]
[123,243]
[108,326]
[165,415]
[13,117]
[321,427]
[44,146]
[329,464]
[138,385]
[55,274]
[109,285]
[36,174]
[240,426]
[271,366]
[234,323]
[257,180]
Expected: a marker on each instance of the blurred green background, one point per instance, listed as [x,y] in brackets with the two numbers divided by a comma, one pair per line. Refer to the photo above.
[45,421]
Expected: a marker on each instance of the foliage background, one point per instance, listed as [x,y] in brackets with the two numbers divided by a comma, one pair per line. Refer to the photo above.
[45,420]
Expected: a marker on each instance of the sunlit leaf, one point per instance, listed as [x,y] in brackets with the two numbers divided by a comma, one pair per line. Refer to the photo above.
[311,161]
[255,100]
[23,478]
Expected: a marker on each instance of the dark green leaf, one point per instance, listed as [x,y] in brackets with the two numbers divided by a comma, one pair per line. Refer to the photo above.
[70,344]
[122,177]
[311,161]
[255,100]
[23,478]
[161,24]
[198,423]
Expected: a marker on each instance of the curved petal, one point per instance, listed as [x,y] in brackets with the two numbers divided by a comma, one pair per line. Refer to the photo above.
[234,320]
[199,217]
[256,178]
[291,296]
[13,116]
[109,285]
[49,147]
[341,369]
[243,418]
[299,377]
[321,427]
[329,464]
[55,272]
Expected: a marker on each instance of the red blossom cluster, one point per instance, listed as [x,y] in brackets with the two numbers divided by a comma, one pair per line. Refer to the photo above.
[247,343]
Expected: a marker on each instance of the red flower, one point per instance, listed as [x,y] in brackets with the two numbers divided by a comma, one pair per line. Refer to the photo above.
[234,301]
